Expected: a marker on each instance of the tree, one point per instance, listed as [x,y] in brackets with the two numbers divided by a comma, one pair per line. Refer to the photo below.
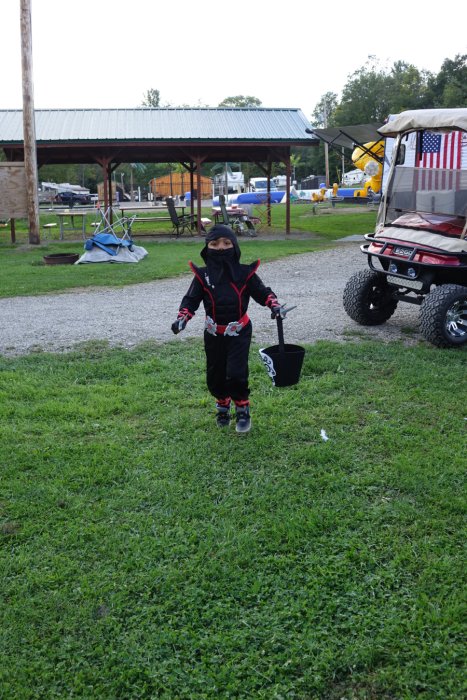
[364,97]
[449,87]
[323,113]
[152,98]
[373,92]
[407,88]
[241,101]
[323,116]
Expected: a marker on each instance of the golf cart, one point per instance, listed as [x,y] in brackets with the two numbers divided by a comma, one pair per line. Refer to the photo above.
[418,252]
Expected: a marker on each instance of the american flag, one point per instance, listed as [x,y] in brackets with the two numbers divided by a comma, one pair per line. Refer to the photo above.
[438,156]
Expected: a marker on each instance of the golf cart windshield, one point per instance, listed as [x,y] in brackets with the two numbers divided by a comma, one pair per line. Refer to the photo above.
[428,187]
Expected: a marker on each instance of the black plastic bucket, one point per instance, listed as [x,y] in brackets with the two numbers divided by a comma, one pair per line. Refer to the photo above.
[283,366]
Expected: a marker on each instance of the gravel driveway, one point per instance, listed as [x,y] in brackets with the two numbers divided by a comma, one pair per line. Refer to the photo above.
[128,316]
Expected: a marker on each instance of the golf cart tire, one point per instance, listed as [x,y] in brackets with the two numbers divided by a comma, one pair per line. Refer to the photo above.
[440,314]
[368,298]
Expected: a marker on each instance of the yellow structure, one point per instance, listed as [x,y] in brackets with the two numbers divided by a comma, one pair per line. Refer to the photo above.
[319,196]
[362,159]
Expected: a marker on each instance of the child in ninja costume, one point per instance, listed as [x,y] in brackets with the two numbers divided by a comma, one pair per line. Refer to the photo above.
[225,287]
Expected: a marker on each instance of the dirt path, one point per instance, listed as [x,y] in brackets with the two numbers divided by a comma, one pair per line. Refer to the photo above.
[131,315]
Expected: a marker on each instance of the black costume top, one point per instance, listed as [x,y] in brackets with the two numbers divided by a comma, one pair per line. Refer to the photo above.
[227,300]
[224,285]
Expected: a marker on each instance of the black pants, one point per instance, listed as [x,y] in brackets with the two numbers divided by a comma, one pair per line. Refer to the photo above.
[227,364]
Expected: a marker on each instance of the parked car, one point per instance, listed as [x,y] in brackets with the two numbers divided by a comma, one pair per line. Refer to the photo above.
[73,198]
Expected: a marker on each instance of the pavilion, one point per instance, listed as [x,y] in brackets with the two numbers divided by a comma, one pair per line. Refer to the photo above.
[190,136]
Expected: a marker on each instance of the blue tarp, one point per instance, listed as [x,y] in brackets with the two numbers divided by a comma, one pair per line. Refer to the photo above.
[108,242]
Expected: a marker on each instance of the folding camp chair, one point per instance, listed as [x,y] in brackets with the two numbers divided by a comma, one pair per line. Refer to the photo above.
[180,223]
[111,222]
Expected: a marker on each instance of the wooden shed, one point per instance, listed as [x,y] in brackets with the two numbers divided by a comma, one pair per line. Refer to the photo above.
[177,184]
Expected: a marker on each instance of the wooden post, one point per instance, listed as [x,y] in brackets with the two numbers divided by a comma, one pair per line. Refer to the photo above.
[111,197]
[267,171]
[199,193]
[287,194]
[105,164]
[269,192]
[326,163]
[29,130]
[192,187]
[105,167]
[199,161]
[326,146]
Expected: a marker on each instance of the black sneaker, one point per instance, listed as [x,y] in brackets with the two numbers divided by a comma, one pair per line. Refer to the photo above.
[243,420]
[223,417]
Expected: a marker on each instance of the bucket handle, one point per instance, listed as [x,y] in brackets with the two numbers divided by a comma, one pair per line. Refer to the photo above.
[280,333]
[280,329]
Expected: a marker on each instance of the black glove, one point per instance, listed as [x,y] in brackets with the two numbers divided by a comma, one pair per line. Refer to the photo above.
[276,309]
[179,324]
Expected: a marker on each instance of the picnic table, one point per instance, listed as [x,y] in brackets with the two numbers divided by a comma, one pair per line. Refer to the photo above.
[153,210]
[234,212]
[77,222]
[131,214]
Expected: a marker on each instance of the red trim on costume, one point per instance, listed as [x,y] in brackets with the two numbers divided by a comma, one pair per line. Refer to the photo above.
[252,272]
[271,298]
[239,294]
[206,289]
[257,264]
[225,403]
[242,404]
[186,312]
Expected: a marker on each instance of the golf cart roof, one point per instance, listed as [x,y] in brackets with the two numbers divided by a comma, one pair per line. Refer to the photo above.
[414,119]
[349,136]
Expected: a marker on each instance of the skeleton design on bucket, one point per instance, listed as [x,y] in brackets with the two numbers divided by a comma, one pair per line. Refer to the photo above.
[268,363]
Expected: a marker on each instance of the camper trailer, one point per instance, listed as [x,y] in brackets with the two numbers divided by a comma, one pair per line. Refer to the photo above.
[227,179]
[260,184]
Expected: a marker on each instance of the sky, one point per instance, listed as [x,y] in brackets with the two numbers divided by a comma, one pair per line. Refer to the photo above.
[109,53]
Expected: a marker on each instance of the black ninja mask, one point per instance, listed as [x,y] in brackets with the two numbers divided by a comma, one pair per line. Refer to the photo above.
[222,262]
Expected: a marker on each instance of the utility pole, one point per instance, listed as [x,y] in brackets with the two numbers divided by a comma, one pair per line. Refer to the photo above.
[326,146]
[29,129]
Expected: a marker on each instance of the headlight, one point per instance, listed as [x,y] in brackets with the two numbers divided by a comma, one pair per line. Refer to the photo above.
[393,268]
[411,272]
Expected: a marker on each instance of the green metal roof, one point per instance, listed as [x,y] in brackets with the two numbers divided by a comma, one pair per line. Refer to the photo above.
[167,124]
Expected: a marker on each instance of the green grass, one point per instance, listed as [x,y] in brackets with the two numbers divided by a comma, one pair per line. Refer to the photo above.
[146,554]
[303,218]
[24,272]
